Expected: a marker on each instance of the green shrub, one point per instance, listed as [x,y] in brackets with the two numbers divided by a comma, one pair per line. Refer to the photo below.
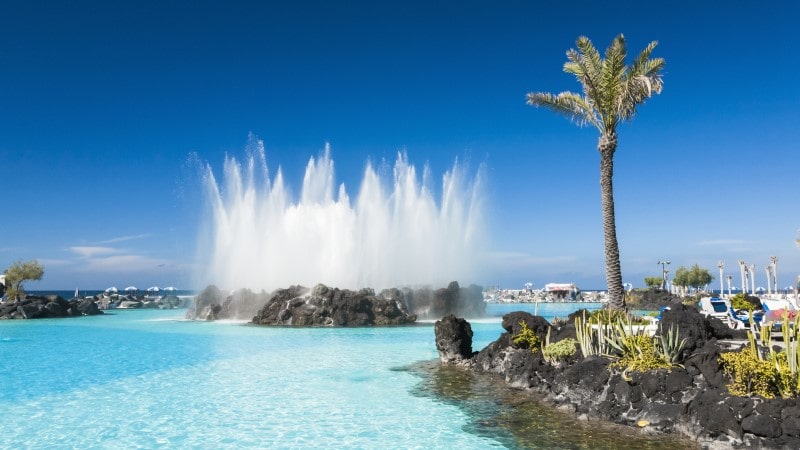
[759,370]
[750,375]
[558,352]
[527,337]
[632,347]
[639,355]
[739,301]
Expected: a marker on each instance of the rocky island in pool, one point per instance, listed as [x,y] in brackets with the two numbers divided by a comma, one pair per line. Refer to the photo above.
[48,307]
[334,307]
[691,399]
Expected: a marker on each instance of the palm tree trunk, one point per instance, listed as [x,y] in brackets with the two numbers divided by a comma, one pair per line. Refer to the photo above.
[606,147]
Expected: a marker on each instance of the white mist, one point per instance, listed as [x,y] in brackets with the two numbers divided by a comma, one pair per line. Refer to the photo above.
[393,233]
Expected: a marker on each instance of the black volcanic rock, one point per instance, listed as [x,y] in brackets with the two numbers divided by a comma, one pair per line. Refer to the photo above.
[434,304]
[352,308]
[692,399]
[87,307]
[512,323]
[453,339]
[689,324]
[323,306]
[48,307]
[652,299]
[212,304]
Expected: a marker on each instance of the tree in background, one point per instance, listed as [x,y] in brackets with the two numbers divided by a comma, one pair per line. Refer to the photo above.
[19,272]
[612,90]
[653,282]
[694,277]
[681,279]
[699,278]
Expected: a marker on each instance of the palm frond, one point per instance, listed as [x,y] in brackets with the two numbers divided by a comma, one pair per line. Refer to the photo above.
[580,66]
[586,64]
[642,80]
[590,57]
[643,57]
[576,108]
[612,80]
[612,90]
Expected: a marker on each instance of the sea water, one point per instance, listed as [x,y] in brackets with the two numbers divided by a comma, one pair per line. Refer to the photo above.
[149,378]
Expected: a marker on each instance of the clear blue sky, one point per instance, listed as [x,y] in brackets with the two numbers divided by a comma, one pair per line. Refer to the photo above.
[102,104]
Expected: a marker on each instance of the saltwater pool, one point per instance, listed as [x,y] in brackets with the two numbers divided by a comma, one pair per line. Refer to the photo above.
[149,378]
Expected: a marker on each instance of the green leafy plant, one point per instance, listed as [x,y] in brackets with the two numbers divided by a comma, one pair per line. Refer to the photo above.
[635,349]
[669,345]
[639,354]
[760,370]
[591,336]
[527,337]
[739,301]
[749,374]
[556,353]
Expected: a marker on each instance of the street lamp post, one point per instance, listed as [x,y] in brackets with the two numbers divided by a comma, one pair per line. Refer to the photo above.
[721,266]
[664,265]
[752,279]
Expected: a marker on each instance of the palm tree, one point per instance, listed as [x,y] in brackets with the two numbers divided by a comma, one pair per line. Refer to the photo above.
[611,92]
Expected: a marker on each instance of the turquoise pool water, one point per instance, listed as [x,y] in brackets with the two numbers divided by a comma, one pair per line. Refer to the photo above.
[148,378]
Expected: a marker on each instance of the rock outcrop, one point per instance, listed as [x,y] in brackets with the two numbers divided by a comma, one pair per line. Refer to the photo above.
[433,304]
[48,307]
[652,299]
[324,306]
[453,339]
[691,400]
[213,304]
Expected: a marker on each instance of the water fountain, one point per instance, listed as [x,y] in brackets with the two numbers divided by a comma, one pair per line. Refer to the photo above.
[394,233]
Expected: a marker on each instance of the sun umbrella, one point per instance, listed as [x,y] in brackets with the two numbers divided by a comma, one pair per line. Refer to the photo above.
[153,289]
[170,288]
[112,289]
[131,288]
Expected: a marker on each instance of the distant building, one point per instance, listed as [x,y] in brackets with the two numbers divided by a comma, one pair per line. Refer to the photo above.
[562,291]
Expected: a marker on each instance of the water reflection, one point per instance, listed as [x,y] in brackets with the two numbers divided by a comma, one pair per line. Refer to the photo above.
[515,419]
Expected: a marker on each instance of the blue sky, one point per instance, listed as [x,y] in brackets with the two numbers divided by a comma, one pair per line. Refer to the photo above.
[102,105]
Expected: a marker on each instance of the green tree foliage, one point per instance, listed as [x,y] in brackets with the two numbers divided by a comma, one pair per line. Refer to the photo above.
[653,282]
[19,272]
[612,91]
[695,277]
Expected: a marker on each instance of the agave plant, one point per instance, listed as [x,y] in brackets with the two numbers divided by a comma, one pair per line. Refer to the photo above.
[670,347]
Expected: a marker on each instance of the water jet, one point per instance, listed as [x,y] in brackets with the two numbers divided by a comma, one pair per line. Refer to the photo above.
[395,232]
